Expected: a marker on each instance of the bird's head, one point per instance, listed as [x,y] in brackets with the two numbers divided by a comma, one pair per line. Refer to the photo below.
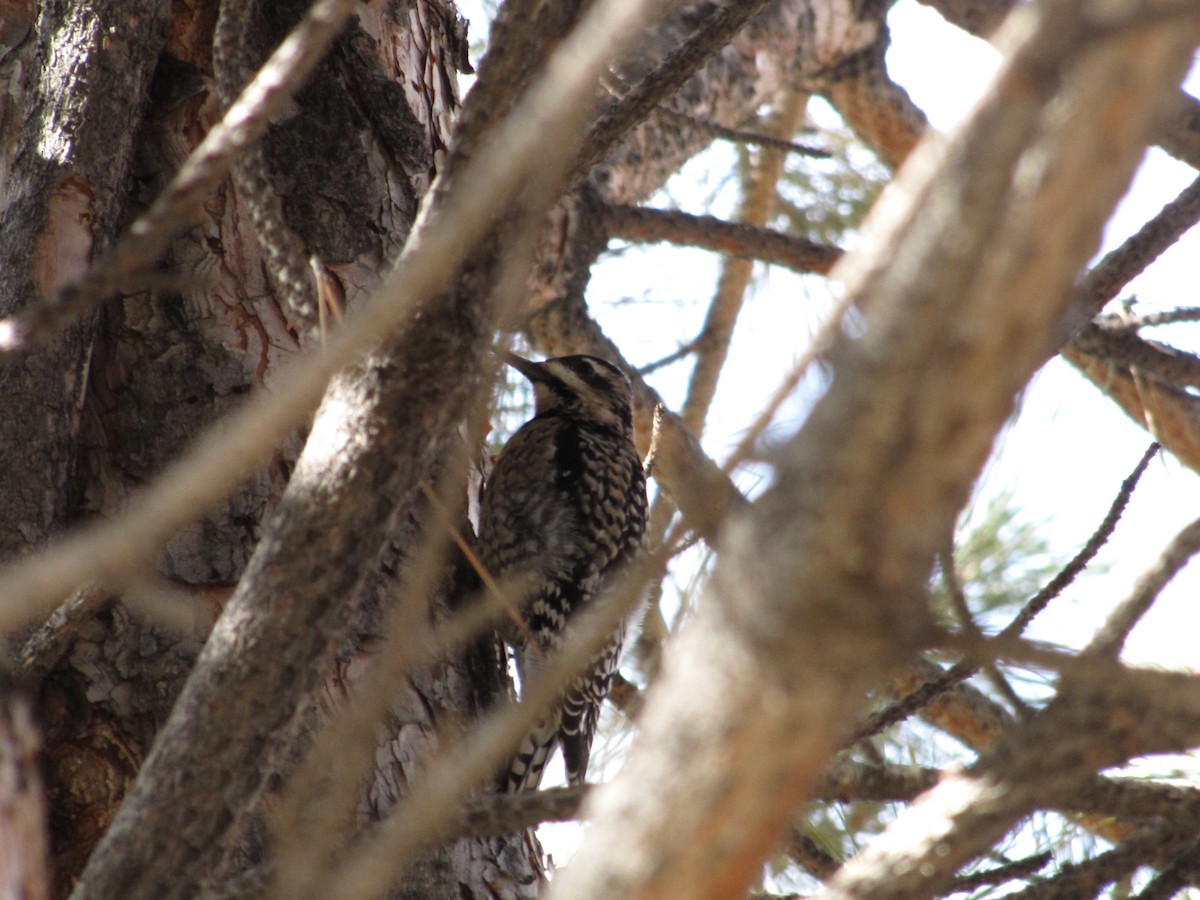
[584,386]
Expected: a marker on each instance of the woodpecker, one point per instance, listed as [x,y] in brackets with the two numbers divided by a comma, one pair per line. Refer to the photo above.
[564,511]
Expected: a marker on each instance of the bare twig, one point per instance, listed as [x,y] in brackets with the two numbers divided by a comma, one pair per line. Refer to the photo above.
[1091,547]
[958,601]
[758,199]
[720,24]
[1151,320]
[1120,266]
[742,136]
[1112,635]
[674,357]
[1128,349]
[645,225]
[997,875]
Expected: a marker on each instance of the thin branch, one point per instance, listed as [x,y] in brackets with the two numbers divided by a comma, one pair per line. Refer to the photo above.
[1161,408]
[1090,877]
[932,689]
[961,711]
[1170,414]
[1176,875]
[1151,320]
[683,352]
[845,782]
[741,136]
[958,601]
[1052,753]
[1130,350]
[645,225]
[1091,547]
[1132,799]
[879,110]
[242,127]
[1112,635]
[759,188]
[505,813]
[997,875]
[1120,266]
[810,855]
[719,26]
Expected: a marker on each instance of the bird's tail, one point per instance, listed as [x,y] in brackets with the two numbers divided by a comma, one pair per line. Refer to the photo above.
[525,771]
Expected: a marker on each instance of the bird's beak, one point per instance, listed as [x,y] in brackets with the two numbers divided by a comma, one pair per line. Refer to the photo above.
[527,367]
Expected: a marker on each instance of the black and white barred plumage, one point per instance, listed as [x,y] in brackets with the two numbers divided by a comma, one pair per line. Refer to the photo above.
[565,506]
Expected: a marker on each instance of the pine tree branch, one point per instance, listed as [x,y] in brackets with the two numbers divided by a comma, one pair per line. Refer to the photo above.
[878,109]
[1103,715]
[1112,635]
[645,225]
[1135,254]
[1090,877]
[721,23]
[742,136]
[1150,320]
[759,189]
[1177,874]
[998,875]
[966,714]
